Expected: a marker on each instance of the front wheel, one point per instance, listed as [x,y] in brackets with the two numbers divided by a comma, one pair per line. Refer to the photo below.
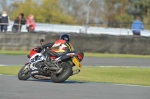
[64,75]
[24,73]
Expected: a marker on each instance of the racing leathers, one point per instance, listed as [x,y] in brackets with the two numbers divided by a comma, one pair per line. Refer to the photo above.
[62,47]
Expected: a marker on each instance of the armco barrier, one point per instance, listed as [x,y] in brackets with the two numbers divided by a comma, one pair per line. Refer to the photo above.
[81,42]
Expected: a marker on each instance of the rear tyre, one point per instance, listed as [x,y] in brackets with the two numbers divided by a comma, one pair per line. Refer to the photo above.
[24,73]
[64,75]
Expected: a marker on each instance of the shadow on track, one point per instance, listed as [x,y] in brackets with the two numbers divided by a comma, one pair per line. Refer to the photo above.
[66,82]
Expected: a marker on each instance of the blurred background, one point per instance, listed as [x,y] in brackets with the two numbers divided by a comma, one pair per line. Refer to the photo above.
[81,17]
[87,16]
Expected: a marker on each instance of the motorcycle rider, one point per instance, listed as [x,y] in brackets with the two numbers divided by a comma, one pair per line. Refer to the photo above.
[62,46]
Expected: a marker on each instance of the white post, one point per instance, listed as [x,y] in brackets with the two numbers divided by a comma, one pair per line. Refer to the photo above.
[87,16]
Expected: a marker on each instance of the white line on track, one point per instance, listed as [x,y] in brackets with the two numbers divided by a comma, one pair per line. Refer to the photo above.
[6,75]
[3,65]
[131,85]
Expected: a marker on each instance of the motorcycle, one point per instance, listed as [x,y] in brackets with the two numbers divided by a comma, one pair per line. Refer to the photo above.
[49,66]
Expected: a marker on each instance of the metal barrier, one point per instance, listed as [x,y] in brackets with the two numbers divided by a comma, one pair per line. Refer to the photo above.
[79,29]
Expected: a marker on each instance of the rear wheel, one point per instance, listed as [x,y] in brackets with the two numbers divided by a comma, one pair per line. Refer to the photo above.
[24,73]
[64,75]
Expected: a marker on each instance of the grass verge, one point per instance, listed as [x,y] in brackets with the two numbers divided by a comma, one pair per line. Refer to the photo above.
[100,55]
[116,75]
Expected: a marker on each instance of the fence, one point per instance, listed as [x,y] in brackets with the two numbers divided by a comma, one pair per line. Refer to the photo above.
[62,28]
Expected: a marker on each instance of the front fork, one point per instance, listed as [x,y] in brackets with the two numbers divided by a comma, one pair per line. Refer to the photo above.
[26,68]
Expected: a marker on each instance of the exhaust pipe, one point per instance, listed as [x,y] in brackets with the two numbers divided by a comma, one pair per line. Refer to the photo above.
[53,68]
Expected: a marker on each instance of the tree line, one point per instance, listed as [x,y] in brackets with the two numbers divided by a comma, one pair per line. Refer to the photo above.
[108,13]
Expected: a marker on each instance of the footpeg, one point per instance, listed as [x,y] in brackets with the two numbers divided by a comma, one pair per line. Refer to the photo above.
[75,71]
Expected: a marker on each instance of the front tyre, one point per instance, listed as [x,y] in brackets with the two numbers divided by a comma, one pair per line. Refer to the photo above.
[64,75]
[24,73]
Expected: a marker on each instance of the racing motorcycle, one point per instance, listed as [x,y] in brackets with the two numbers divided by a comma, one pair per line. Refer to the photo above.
[49,66]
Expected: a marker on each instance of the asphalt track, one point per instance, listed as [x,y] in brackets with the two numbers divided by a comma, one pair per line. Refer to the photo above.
[87,61]
[12,88]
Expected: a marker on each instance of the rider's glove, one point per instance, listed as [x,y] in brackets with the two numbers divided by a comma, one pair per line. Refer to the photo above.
[39,49]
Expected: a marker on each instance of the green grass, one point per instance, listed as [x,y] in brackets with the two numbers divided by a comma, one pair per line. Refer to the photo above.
[116,75]
[100,55]
[10,70]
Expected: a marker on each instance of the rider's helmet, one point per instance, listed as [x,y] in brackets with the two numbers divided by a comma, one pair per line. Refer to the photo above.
[65,37]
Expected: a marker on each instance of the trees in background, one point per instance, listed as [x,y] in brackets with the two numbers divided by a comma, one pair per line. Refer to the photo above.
[140,8]
[4,6]
[111,13]
[78,9]
[47,11]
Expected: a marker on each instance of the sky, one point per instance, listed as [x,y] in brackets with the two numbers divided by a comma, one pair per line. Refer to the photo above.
[8,2]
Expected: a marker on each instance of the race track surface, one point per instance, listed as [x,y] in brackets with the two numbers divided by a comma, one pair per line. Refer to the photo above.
[12,88]
[87,61]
